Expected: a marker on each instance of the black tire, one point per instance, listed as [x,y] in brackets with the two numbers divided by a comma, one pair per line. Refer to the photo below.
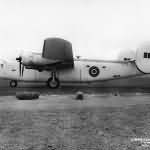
[13,83]
[53,83]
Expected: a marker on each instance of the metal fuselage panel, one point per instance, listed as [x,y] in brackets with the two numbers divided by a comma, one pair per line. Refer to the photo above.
[107,70]
[80,72]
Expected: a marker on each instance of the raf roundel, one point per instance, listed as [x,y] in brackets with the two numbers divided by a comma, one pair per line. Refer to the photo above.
[94,71]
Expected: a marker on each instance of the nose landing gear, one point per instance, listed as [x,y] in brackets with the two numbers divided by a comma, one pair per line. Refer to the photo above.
[13,83]
[53,81]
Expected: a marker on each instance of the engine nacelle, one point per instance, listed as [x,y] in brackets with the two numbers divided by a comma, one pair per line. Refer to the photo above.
[57,53]
[34,59]
[143,58]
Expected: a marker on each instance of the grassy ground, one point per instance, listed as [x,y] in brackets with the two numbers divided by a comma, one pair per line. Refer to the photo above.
[94,127]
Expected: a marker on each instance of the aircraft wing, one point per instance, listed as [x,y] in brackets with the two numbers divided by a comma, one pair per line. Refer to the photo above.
[57,54]
[49,65]
[60,50]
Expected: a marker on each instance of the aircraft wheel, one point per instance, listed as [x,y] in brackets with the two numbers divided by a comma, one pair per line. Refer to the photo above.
[13,83]
[53,83]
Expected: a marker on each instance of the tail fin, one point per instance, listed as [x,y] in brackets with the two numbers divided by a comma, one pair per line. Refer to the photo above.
[143,58]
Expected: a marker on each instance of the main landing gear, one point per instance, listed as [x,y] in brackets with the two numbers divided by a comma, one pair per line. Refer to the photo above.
[53,82]
[13,83]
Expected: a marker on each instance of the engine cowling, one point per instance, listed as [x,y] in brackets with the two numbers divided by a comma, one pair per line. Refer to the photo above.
[34,59]
[143,57]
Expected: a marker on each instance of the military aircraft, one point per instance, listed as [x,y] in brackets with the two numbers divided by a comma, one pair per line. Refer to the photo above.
[56,65]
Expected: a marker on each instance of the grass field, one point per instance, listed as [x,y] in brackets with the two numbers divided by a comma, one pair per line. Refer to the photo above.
[62,123]
[58,122]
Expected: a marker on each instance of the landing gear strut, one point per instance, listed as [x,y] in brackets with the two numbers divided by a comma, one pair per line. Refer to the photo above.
[53,81]
[13,83]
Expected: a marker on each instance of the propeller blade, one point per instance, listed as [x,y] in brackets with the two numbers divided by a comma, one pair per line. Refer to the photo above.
[19,59]
[22,69]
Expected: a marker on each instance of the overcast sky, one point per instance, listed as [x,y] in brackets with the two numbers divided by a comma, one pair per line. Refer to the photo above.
[96,28]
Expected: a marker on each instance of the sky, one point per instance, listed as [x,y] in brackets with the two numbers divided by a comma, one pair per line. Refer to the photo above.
[96,28]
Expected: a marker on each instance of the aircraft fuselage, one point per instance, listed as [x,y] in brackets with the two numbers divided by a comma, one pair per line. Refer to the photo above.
[84,71]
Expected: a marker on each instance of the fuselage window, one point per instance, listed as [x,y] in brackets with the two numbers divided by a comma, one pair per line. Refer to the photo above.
[145,55]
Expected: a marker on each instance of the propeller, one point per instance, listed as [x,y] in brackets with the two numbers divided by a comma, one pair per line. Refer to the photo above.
[21,66]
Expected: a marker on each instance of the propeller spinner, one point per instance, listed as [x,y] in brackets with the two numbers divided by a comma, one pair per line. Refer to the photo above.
[21,66]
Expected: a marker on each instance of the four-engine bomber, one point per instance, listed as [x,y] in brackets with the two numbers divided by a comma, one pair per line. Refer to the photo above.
[56,64]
